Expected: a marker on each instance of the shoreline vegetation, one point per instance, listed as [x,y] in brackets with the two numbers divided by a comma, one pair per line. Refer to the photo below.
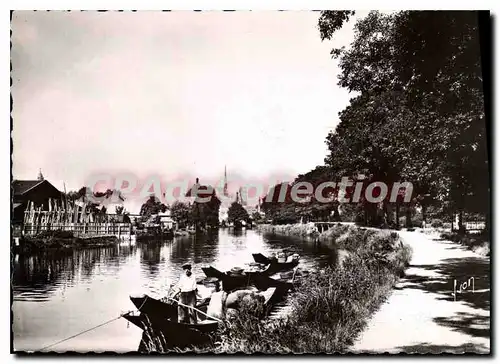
[330,308]
[61,241]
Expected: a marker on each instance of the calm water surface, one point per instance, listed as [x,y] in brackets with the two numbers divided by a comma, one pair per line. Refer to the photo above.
[59,295]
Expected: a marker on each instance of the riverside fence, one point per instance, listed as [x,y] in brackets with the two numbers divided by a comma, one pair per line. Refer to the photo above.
[73,218]
[121,230]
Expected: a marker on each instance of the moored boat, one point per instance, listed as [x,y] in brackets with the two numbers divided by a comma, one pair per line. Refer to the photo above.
[174,334]
[159,319]
[261,258]
[264,282]
[156,308]
[275,265]
[230,280]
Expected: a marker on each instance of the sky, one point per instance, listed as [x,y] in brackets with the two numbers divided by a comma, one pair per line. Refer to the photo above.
[171,94]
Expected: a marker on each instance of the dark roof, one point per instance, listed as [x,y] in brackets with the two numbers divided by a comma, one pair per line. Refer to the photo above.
[21,187]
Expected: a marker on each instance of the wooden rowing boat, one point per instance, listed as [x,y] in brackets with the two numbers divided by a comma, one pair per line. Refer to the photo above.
[259,279]
[157,308]
[230,282]
[263,282]
[261,258]
[174,334]
[159,319]
[273,265]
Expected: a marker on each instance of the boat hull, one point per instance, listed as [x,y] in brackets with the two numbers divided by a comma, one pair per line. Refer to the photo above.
[258,278]
[174,334]
[273,265]
[159,309]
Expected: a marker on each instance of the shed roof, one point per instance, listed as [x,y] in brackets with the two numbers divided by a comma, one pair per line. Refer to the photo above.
[21,187]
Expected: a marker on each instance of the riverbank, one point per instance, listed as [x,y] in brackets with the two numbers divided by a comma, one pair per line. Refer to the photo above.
[61,241]
[331,306]
[349,239]
[422,315]
[308,230]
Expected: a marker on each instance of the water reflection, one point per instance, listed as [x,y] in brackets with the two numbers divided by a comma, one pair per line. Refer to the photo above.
[57,295]
[35,277]
[151,258]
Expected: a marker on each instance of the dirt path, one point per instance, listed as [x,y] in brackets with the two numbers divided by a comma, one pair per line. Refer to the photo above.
[421,315]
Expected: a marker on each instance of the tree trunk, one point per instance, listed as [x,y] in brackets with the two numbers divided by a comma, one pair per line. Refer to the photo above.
[408,216]
[397,216]
[424,213]
[336,214]
[387,212]
[487,221]
[461,226]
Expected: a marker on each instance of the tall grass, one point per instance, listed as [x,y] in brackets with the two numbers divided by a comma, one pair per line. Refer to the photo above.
[330,308]
[333,306]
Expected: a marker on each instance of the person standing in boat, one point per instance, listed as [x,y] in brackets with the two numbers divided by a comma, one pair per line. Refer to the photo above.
[187,289]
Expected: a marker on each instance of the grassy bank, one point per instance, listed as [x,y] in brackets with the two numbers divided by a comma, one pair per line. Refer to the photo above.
[478,243]
[328,310]
[334,305]
[298,230]
[63,240]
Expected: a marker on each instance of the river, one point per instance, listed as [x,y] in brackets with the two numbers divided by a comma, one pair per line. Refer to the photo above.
[58,295]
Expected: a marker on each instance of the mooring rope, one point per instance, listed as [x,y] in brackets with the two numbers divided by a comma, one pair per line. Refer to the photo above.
[83,332]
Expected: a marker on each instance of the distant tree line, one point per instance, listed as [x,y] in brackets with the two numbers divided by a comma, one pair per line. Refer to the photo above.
[417,116]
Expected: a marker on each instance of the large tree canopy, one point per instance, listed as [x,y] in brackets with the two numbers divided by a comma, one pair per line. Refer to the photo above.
[417,111]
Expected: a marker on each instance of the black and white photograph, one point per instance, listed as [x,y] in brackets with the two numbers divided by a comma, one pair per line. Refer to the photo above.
[251,181]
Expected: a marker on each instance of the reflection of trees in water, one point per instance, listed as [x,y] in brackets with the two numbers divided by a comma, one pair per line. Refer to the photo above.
[181,249]
[205,248]
[238,232]
[151,257]
[197,249]
[88,259]
[41,273]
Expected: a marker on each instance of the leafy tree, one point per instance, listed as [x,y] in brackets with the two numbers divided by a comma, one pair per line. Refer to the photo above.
[256,217]
[152,206]
[181,213]
[237,213]
[419,112]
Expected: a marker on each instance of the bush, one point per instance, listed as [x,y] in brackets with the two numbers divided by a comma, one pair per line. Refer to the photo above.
[417,221]
[471,241]
[330,309]
[437,223]
[59,234]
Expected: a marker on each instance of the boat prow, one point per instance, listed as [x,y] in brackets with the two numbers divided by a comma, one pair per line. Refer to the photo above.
[261,258]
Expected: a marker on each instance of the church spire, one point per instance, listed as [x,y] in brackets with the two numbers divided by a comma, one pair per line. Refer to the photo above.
[40,175]
[225,181]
